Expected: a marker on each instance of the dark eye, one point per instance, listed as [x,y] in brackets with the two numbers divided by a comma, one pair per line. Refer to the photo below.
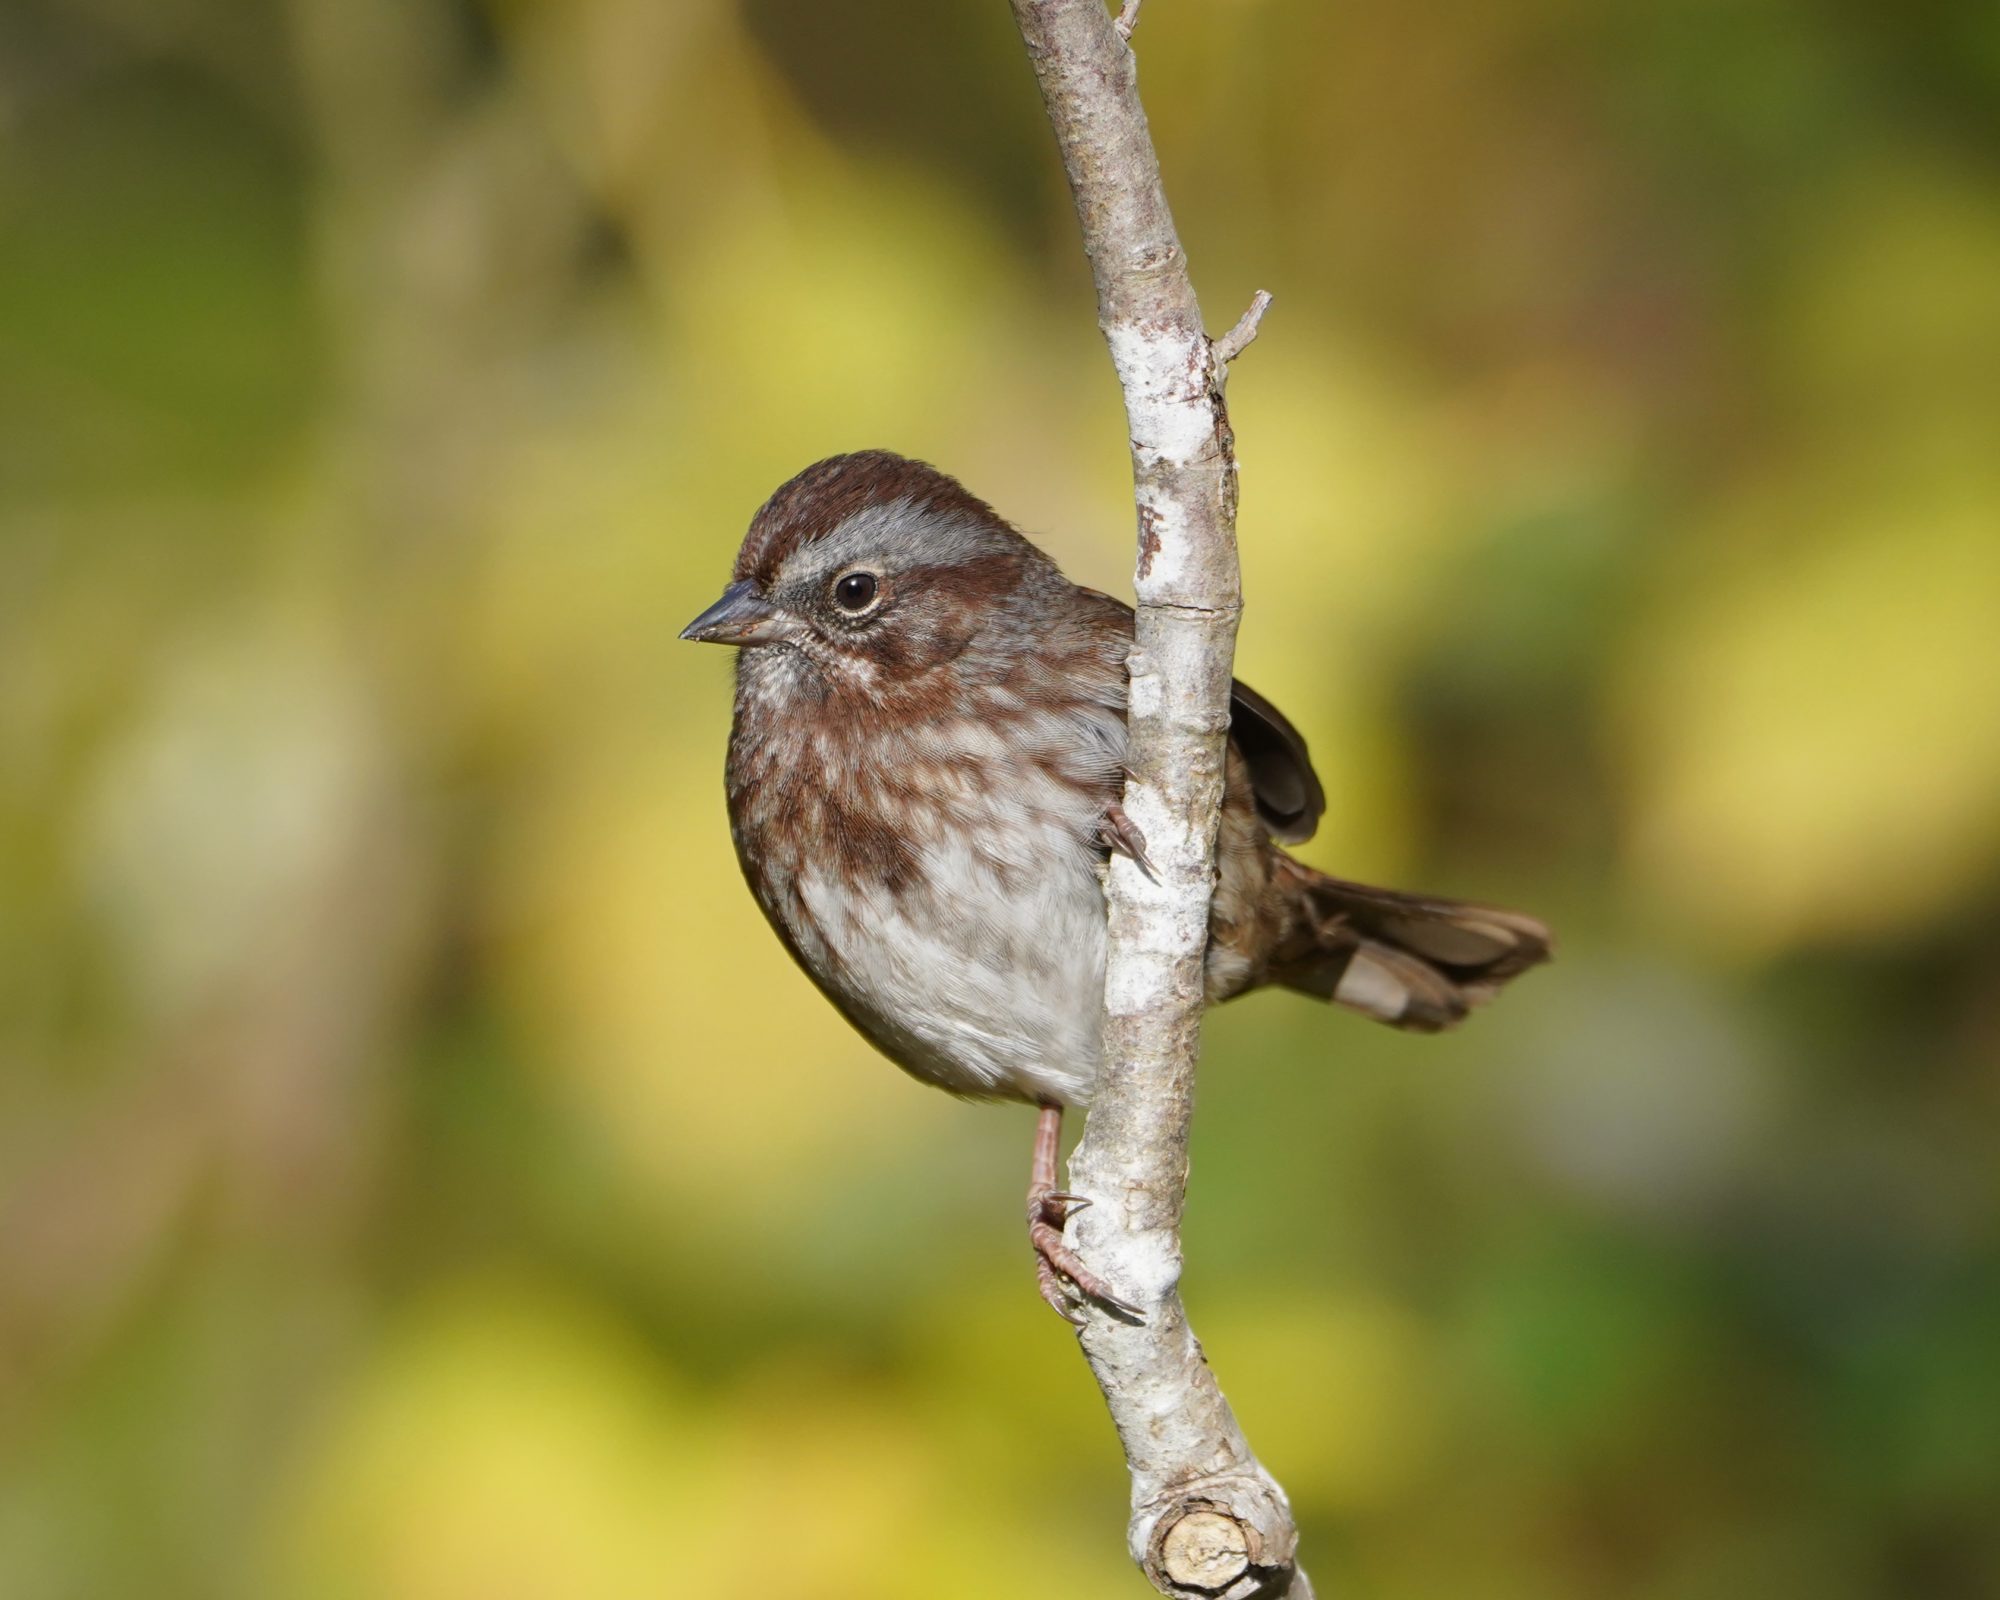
[855,591]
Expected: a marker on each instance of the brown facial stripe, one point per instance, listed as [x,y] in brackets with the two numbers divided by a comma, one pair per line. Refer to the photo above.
[930,613]
[974,588]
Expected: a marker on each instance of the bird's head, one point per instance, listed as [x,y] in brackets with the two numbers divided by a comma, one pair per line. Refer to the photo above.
[866,573]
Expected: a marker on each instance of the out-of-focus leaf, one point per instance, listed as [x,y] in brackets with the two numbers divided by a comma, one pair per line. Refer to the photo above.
[154,325]
[506,1441]
[1339,1393]
[1813,738]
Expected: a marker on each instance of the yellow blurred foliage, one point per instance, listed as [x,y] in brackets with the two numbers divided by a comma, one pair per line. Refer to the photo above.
[506,1442]
[423,1176]
[1815,747]
[1340,1395]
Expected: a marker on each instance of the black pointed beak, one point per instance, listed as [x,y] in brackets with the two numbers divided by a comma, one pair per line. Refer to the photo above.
[741,616]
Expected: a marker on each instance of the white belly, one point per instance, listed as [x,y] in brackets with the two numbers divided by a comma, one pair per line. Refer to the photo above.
[986,976]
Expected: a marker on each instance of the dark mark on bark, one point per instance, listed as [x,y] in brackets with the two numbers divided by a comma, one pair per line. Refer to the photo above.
[1149,539]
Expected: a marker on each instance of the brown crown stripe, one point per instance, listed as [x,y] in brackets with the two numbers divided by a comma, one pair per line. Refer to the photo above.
[811,505]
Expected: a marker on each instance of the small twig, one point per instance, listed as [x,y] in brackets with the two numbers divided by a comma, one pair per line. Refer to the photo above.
[1238,339]
[1128,18]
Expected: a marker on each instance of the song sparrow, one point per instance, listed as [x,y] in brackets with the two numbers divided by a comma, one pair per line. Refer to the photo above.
[923,779]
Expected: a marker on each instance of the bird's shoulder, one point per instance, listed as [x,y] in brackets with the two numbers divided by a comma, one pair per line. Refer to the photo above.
[1274,758]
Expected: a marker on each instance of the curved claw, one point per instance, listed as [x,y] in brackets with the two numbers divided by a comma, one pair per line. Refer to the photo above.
[1120,833]
[1056,1264]
[1058,1206]
[1051,1286]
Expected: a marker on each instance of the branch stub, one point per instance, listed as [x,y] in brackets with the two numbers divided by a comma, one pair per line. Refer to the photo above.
[1205,1550]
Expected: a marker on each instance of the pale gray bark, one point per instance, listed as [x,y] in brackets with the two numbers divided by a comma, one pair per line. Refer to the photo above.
[1207,1519]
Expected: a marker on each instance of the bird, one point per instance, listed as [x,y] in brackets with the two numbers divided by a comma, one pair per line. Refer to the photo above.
[924,773]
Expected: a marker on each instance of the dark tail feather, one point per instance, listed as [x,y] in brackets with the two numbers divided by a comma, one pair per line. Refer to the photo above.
[1408,960]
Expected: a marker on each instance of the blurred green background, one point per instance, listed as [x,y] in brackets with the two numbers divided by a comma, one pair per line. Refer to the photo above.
[422,1175]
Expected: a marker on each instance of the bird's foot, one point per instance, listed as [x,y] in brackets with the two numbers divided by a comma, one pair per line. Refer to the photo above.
[1060,1276]
[1120,833]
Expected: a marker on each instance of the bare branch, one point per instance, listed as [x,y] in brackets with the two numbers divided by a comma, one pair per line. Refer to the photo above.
[1128,18]
[1238,339]
[1207,1519]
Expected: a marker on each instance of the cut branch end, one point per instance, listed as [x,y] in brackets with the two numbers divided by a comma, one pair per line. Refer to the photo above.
[1227,1539]
[1205,1550]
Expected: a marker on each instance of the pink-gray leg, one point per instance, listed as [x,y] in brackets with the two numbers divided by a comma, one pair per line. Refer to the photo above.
[1057,1269]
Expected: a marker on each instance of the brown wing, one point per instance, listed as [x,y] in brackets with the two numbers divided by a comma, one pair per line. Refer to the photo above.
[1289,799]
